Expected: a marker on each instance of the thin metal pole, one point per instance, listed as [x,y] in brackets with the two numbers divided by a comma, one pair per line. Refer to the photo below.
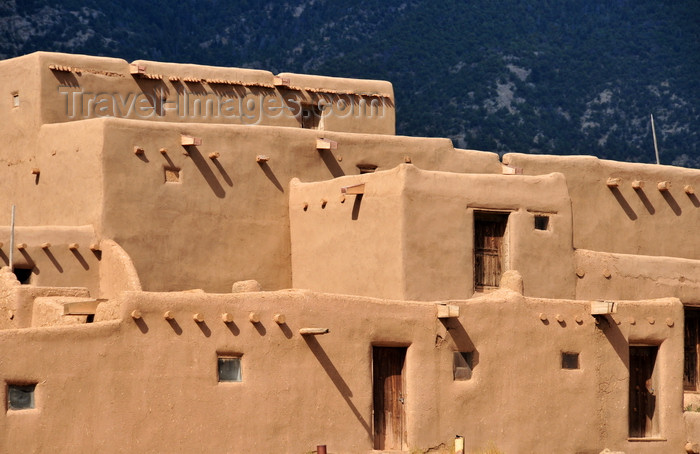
[653,133]
[12,238]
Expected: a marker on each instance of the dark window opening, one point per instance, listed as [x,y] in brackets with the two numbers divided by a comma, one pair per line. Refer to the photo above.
[569,361]
[20,397]
[310,116]
[541,222]
[366,168]
[489,249]
[90,318]
[643,392]
[229,368]
[691,341]
[462,365]
[23,275]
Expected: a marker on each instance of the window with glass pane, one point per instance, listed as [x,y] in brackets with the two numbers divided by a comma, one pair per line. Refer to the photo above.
[229,368]
[20,397]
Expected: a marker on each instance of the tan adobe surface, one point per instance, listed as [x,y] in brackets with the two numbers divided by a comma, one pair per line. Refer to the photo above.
[370,292]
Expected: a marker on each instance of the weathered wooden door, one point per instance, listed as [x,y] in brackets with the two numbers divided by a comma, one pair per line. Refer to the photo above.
[489,249]
[692,339]
[642,393]
[388,394]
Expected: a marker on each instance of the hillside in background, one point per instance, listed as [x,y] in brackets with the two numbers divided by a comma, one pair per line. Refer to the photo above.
[574,77]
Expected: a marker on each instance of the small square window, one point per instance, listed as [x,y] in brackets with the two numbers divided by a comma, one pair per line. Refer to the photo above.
[20,397]
[229,368]
[541,222]
[462,365]
[569,361]
[172,174]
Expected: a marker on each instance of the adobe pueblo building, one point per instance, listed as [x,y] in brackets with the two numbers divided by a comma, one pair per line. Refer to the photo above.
[213,259]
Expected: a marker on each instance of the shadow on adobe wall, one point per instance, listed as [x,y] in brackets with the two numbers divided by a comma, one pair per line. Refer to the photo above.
[337,379]
[693,198]
[623,203]
[206,171]
[461,338]
[617,340]
[645,200]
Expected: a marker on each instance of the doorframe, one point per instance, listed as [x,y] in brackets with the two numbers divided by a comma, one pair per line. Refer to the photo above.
[485,213]
[693,309]
[655,429]
[404,424]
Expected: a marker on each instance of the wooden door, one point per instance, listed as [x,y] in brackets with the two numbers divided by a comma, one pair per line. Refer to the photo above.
[388,394]
[489,249]
[642,392]
[692,338]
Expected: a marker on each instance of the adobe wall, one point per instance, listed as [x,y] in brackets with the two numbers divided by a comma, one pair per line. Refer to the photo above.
[58,256]
[356,246]
[79,87]
[227,218]
[67,256]
[117,271]
[18,306]
[20,77]
[72,164]
[439,232]
[61,170]
[602,275]
[352,244]
[350,105]
[156,380]
[18,128]
[625,220]
[537,406]
[56,188]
